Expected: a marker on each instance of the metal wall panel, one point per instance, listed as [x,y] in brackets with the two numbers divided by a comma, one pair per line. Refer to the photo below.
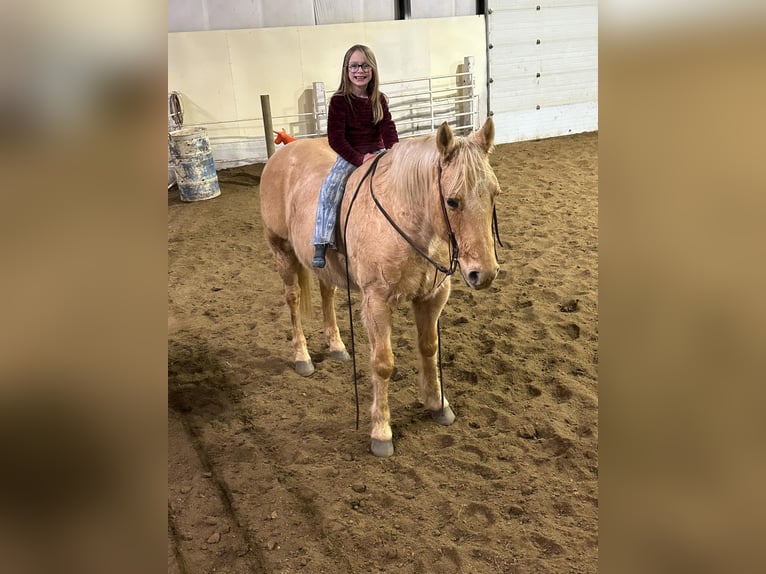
[442,8]
[543,66]
[343,11]
[198,15]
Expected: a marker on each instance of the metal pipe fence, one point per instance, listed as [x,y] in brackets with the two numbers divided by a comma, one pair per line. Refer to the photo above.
[417,105]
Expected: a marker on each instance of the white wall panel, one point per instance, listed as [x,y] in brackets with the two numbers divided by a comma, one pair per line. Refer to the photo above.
[465,8]
[187,15]
[228,15]
[547,122]
[196,15]
[200,63]
[442,8]
[283,75]
[544,67]
[231,16]
[344,11]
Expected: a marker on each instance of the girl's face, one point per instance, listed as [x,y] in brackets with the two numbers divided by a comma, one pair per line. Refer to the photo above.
[359,73]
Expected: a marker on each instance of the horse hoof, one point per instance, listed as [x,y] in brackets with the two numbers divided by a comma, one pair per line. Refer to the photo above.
[340,355]
[444,417]
[382,447]
[304,368]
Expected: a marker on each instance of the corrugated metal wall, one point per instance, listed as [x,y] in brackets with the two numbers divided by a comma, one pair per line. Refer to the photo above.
[196,15]
[543,67]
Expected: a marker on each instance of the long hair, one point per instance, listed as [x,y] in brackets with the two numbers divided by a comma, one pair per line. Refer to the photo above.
[373,91]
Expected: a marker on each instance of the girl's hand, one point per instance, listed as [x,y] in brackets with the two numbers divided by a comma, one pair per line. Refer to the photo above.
[368,156]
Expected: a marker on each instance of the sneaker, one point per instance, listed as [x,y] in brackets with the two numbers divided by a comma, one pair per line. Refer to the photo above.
[318,260]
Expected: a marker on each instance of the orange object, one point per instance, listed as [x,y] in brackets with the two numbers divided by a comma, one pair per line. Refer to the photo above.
[283,137]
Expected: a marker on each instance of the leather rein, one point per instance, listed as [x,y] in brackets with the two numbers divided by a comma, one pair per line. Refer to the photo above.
[454,249]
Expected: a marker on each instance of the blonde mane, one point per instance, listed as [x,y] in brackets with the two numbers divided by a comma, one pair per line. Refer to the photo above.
[411,168]
[412,164]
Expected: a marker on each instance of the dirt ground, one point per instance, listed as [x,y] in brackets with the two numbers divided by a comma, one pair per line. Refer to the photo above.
[266,472]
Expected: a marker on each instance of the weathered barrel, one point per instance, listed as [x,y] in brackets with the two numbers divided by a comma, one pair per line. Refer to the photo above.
[194,165]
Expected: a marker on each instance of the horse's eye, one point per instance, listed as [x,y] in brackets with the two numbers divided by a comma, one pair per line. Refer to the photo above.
[452,203]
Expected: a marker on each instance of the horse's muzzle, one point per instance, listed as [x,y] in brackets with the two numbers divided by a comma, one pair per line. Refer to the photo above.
[480,279]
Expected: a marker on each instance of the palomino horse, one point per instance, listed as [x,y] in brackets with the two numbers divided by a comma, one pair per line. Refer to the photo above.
[439,191]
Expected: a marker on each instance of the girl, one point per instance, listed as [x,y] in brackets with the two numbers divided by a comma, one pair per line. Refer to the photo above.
[359,126]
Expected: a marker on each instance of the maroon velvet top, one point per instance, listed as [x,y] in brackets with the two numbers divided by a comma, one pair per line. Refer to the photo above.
[351,132]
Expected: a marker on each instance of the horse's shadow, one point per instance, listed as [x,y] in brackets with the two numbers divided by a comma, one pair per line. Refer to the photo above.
[198,384]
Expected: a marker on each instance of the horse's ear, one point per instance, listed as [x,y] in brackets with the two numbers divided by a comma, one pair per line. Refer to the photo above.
[445,141]
[485,137]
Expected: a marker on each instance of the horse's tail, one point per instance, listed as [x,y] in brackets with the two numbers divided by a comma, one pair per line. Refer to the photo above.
[304,281]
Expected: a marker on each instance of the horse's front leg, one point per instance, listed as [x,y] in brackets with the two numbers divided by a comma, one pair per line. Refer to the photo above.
[377,318]
[427,313]
[337,348]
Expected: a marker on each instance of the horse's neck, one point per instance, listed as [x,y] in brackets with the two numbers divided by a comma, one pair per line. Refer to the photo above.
[415,192]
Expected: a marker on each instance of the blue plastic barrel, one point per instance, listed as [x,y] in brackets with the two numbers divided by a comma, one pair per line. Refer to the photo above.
[194,165]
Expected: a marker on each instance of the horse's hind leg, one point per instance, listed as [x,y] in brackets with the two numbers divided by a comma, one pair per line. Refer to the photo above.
[293,276]
[337,348]
[426,315]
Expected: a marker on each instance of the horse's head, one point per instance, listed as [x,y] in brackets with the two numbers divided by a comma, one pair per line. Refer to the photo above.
[470,187]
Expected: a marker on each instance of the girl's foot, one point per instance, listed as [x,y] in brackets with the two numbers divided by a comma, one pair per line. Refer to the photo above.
[319,251]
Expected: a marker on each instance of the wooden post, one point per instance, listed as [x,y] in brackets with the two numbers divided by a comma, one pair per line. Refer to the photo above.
[268,129]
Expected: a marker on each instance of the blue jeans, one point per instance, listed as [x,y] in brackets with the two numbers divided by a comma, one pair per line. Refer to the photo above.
[329,200]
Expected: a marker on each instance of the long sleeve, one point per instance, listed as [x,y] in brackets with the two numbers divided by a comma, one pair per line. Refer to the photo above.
[351,131]
[338,120]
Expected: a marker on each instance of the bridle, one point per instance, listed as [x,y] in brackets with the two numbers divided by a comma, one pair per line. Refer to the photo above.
[453,246]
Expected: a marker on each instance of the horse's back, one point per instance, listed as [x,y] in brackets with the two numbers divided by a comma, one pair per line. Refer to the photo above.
[290,182]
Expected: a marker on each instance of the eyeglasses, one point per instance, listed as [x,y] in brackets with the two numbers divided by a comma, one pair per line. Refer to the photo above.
[357,67]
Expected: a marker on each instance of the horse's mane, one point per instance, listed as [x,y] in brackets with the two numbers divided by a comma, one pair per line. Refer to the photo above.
[410,170]
[412,162]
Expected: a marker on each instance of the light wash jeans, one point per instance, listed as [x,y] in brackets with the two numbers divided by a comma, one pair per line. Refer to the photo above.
[329,200]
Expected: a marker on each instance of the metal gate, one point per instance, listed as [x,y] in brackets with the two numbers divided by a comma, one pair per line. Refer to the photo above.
[542,67]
